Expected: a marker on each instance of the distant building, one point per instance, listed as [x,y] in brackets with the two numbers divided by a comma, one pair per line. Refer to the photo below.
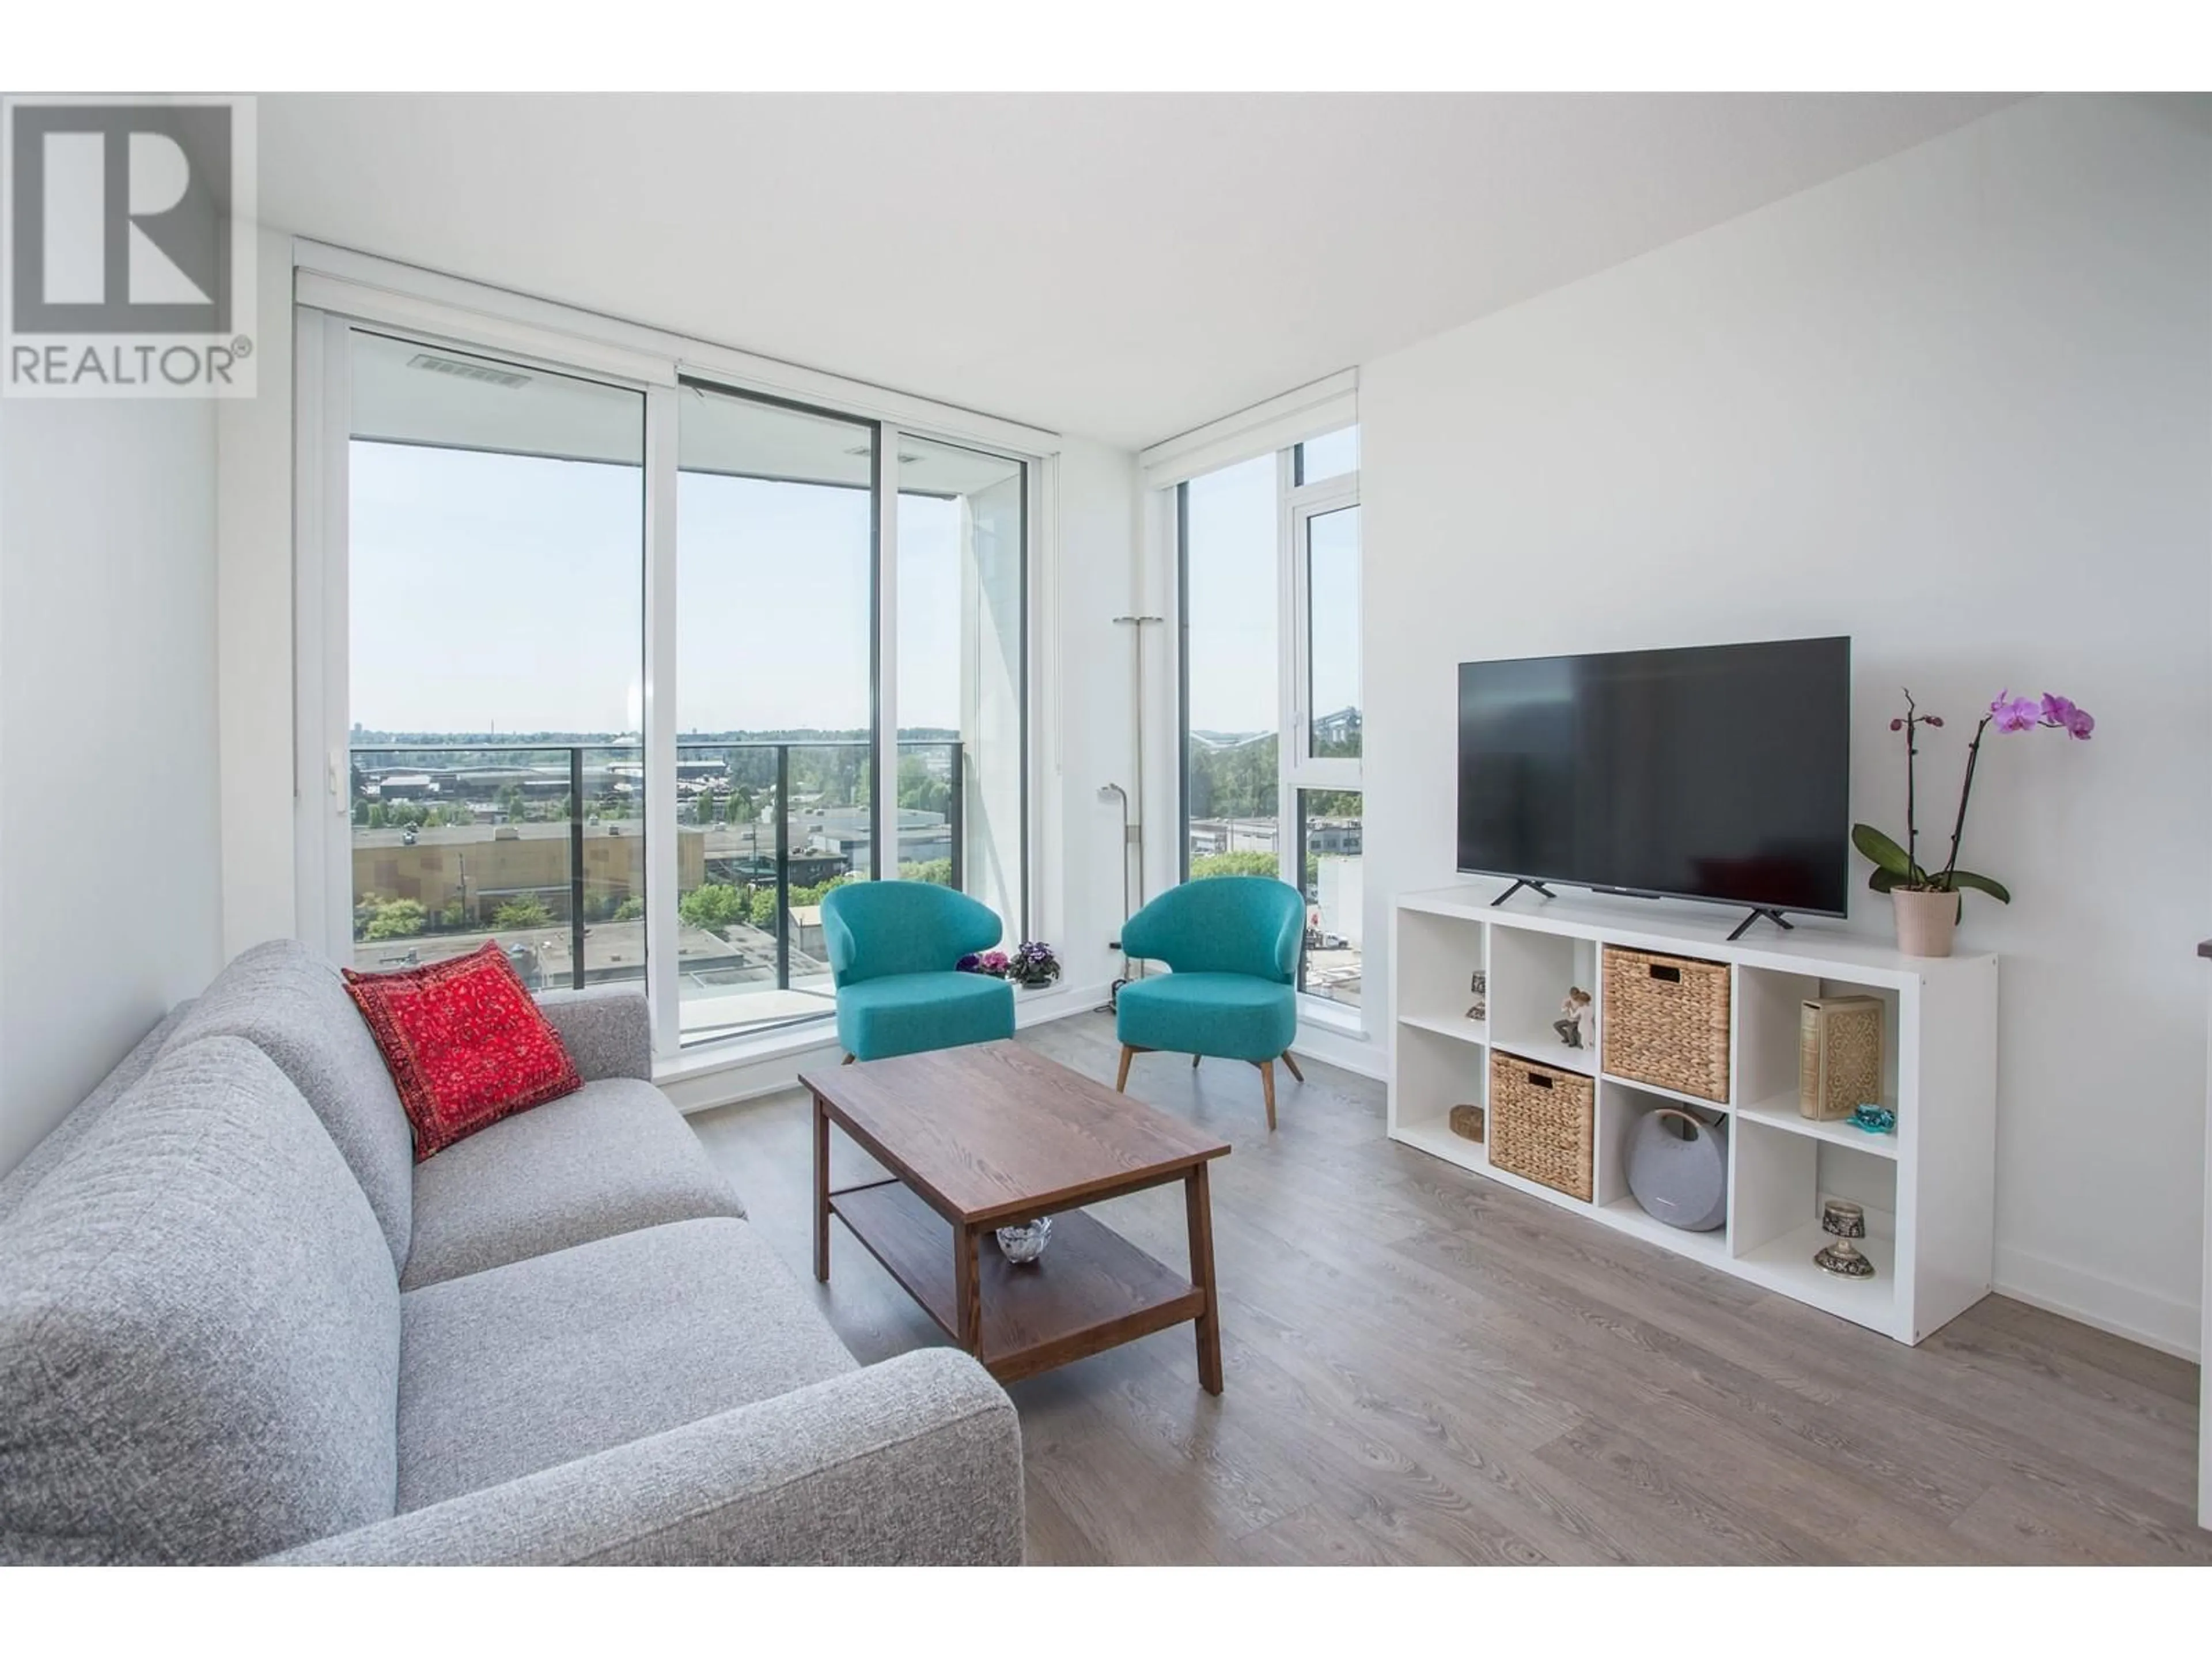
[1211,835]
[480,867]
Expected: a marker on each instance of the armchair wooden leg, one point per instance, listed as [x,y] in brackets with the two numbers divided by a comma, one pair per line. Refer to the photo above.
[1294,1065]
[847,1060]
[1267,1088]
[1121,1082]
[1193,1062]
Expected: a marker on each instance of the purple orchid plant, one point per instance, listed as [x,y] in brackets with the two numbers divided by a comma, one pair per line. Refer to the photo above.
[1896,867]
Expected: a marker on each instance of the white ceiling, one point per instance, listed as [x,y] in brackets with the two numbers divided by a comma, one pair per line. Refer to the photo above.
[1121,267]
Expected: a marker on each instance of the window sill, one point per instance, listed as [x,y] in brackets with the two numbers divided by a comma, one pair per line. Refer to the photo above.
[1335,1018]
[727,1053]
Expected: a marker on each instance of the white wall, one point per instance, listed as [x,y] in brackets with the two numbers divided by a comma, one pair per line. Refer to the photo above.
[1958,405]
[1083,687]
[253,528]
[110,910]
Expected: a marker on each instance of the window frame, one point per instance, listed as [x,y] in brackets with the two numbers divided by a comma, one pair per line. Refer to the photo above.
[1298,769]
[336,293]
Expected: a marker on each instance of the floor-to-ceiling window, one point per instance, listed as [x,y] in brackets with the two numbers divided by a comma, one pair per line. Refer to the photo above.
[495,529]
[1271,729]
[1231,647]
[775,699]
[608,667]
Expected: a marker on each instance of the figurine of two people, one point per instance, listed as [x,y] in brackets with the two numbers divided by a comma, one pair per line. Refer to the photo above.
[1575,1017]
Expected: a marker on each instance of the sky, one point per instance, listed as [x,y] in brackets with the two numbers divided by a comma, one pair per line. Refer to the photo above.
[1235,602]
[494,591]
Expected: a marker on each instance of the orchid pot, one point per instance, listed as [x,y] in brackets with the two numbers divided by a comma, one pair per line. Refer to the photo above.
[1928,901]
[1927,921]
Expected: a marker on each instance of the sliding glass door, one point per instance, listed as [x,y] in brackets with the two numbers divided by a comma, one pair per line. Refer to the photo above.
[496,528]
[609,673]
[775,701]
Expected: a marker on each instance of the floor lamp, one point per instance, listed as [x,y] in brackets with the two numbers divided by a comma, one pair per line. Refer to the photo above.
[1133,807]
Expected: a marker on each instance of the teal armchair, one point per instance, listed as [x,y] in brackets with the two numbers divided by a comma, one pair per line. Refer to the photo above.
[892,946]
[1233,943]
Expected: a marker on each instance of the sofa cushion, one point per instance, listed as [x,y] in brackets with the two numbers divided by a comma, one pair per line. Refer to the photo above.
[908,1013]
[49,1152]
[290,1004]
[610,1159]
[1232,1015]
[464,1042]
[536,1363]
[200,1330]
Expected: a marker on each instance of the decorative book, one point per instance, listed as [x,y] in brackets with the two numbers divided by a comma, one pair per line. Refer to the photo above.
[1839,1056]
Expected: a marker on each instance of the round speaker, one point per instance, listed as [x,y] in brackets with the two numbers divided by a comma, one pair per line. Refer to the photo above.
[1677,1169]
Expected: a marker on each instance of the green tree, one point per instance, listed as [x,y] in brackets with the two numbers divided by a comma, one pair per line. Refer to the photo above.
[921,790]
[762,910]
[1235,864]
[360,812]
[400,919]
[936,871]
[630,909]
[377,816]
[713,906]
[523,910]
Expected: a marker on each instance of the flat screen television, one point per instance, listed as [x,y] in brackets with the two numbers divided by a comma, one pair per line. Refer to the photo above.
[1720,772]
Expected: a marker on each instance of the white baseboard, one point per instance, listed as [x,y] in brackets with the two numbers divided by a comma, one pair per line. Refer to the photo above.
[1354,1053]
[2156,1321]
[1035,1007]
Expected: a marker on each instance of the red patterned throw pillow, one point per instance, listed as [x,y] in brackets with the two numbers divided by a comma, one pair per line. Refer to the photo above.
[466,1043]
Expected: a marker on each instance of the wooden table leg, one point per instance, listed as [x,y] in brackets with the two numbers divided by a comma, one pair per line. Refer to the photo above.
[967,1243]
[821,1190]
[1199,1202]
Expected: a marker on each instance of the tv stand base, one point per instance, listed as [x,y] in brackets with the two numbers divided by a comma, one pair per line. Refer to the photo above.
[1774,916]
[1516,887]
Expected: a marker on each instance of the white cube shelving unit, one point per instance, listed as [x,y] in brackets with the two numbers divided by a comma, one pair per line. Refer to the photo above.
[1929,1189]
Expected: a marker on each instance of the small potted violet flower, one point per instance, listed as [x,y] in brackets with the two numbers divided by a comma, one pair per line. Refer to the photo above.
[1929,902]
[1031,966]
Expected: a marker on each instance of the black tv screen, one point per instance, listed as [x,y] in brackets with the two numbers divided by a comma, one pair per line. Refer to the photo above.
[1721,772]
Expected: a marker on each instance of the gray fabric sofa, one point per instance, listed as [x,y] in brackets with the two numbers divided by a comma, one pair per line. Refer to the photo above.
[238,1323]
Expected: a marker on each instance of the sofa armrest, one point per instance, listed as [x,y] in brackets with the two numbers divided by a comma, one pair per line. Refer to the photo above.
[916,1461]
[606,1029]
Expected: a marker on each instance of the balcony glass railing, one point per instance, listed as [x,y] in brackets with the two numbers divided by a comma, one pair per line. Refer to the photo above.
[543,847]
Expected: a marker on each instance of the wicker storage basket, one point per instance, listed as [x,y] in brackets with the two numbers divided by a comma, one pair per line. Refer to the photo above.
[1541,1124]
[1666,1022]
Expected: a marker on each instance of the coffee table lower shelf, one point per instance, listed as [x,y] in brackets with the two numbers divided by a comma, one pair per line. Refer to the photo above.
[1091,1291]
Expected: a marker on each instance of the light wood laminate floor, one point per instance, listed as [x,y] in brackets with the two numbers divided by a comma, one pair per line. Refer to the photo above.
[1423,1367]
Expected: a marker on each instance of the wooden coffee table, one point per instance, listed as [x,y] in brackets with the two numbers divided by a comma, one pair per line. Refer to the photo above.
[990,1136]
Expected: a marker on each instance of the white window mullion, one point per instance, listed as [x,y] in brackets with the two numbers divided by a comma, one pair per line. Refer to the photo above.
[884,855]
[1289,670]
[1303,506]
[322,764]
[661,965]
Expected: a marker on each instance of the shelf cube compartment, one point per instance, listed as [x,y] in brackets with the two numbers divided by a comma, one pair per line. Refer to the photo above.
[1438,958]
[1780,1182]
[1530,975]
[1434,1074]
